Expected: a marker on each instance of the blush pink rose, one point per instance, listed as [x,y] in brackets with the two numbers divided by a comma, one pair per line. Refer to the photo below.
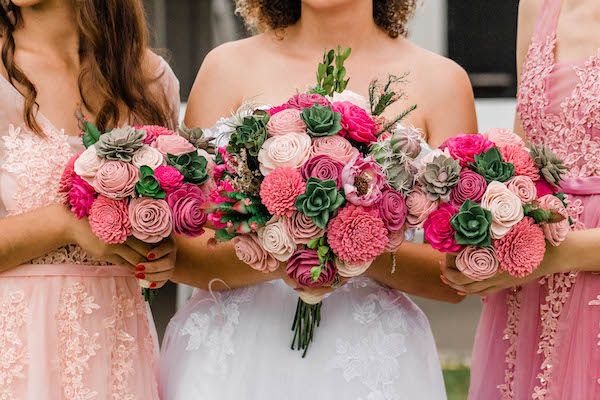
[324,168]
[81,196]
[285,151]
[464,147]
[168,177]
[556,232]
[504,137]
[419,207]
[438,230]
[393,210]
[249,251]
[307,100]
[478,263]
[471,186]
[300,267]
[523,187]
[335,147]
[286,121]
[109,220]
[148,156]
[357,125]
[151,219]
[505,206]
[88,164]
[352,97]
[302,229]
[275,239]
[186,205]
[116,179]
[521,159]
[173,144]
[363,181]
[352,270]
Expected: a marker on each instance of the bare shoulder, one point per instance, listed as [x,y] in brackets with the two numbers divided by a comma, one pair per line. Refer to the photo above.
[529,10]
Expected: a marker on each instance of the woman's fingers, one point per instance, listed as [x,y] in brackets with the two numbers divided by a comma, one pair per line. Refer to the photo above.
[116,260]
[139,247]
[455,277]
[132,257]
[167,246]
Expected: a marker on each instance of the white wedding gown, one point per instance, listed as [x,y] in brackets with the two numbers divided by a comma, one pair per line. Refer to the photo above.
[373,343]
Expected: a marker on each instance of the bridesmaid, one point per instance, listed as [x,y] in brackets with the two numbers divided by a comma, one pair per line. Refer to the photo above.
[542,332]
[71,325]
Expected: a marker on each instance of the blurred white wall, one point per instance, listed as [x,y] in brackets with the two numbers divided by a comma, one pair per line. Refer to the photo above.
[428,28]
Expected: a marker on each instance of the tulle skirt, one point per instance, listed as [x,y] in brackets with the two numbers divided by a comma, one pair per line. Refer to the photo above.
[75,332]
[373,344]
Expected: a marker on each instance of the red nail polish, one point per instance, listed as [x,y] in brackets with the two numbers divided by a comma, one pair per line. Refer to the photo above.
[151,256]
[140,267]
[461,293]
[140,275]
[153,285]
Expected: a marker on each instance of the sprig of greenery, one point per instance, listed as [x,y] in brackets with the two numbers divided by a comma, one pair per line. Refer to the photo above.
[325,255]
[331,72]
[381,96]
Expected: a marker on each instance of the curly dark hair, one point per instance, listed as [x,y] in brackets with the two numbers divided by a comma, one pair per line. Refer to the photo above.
[262,15]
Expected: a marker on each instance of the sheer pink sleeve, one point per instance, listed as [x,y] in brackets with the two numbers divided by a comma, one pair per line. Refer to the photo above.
[168,83]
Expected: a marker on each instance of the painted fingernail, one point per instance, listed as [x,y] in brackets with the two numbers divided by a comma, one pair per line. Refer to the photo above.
[443,279]
[151,256]
[461,293]
[140,275]
[153,285]
[140,267]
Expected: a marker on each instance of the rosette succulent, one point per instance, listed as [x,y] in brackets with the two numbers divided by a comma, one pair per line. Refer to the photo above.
[191,165]
[391,154]
[551,167]
[320,200]
[120,144]
[196,137]
[472,224]
[250,135]
[148,185]
[321,120]
[492,167]
[440,176]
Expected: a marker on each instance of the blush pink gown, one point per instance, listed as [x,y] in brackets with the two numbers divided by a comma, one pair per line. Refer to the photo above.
[541,341]
[70,329]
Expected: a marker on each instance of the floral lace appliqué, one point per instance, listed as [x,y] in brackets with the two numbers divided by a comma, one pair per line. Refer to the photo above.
[76,345]
[510,335]
[14,313]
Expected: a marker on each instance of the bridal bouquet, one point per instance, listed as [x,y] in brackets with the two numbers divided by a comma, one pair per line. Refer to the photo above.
[146,182]
[318,183]
[493,200]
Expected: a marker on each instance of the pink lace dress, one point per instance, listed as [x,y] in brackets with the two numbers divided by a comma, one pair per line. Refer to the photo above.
[541,341]
[69,328]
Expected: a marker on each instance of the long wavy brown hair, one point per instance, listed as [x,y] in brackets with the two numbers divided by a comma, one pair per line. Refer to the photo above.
[261,15]
[112,49]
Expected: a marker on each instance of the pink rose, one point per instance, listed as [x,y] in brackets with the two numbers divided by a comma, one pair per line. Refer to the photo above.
[352,97]
[438,230]
[286,151]
[116,179]
[477,263]
[504,137]
[149,156]
[302,228]
[173,144]
[88,164]
[523,187]
[154,131]
[363,181]
[392,210]
[186,206]
[335,147]
[357,125]
[505,206]
[275,239]
[323,167]
[419,207]
[352,270]
[471,186]
[81,196]
[555,233]
[464,147]
[521,159]
[248,250]
[307,100]
[109,220]
[168,177]
[150,219]
[286,121]
[300,267]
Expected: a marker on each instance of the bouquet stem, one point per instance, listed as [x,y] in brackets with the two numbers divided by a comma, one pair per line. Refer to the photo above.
[149,294]
[307,318]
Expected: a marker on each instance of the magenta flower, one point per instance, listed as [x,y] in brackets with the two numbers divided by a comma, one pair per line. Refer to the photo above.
[168,177]
[81,196]
[186,205]
[464,147]
[300,267]
[357,125]
[438,230]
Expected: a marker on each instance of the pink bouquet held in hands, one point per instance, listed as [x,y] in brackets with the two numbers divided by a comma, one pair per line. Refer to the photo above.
[488,206]
[144,182]
[319,183]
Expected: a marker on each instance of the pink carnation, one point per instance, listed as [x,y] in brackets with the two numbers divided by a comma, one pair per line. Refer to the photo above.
[154,131]
[150,219]
[274,110]
[81,196]
[66,178]
[522,249]
[357,125]
[464,147]
[280,189]
[109,220]
[504,137]
[307,100]
[471,186]
[300,267]
[249,251]
[357,235]
[168,177]
[186,205]
[438,230]
[521,159]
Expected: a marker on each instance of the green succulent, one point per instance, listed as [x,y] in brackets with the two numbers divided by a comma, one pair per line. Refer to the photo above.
[440,176]
[250,135]
[472,224]
[120,144]
[551,167]
[191,165]
[196,137]
[492,167]
[320,200]
[321,120]
[148,185]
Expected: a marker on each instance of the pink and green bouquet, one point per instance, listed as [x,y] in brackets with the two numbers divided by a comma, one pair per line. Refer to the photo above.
[145,182]
[318,183]
[494,200]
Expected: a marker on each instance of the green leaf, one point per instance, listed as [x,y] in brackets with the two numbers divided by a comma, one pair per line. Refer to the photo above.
[315,273]
[91,134]
[323,251]
[313,243]
[146,171]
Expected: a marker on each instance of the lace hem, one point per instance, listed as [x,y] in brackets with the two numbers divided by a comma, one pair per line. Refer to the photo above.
[510,335]
[70,254]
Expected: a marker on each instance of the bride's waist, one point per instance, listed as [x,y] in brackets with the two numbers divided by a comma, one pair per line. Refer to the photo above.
[29,270]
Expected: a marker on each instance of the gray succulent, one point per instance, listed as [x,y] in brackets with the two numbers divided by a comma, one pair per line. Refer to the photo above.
[120,144]
[197,137]
[440,176]
[551,167]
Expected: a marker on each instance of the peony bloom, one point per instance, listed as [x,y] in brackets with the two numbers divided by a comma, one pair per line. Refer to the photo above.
[172,144]
[186,208]
[504,137]
[88,164]
[523,187]
[477,263]
[335,147]
[286,151]
[555,233]
[275,239]
[351,97]
[438,230]
[109,220]
[522,249]
[300,269]
[148,156]
[393,210]
[280,189]
[249,251]
[419,207]
[363,181]
[357,124]
[521,159]
[302,229]
[464,147]
[116,179]
[505,206]
[81,196]
[66,178]
[307,100]
[357,235]
[324,168]
[471,186]
[168,177]
[286,121]
[151,219]
[154,131]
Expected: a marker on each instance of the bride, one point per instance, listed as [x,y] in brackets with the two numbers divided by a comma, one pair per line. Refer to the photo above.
[232,339]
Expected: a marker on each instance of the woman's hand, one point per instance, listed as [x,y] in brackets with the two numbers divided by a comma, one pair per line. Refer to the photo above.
[157,264]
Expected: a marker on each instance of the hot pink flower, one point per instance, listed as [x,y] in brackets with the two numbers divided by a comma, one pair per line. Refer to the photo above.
[186,205]
[521,159]
[109,220]
[477,263]
[438,230]
[543,188]
[81,196]
[357,235]
[363,181]
[393,210]
[67,176]
[324,168]
[300,267]
[154,131]
[357,125]
[464,147]
[470,186]
[249,251]
[151,219]
[274,110]
[307,100]
[169,178]
[280,189]
[522,249]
